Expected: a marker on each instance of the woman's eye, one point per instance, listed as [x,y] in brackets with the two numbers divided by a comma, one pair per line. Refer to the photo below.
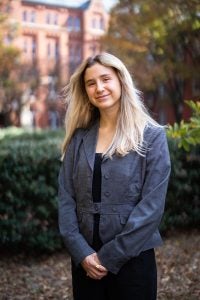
[91,83]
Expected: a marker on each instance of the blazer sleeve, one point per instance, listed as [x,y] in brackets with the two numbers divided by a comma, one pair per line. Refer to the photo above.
[76,244]
[146,215]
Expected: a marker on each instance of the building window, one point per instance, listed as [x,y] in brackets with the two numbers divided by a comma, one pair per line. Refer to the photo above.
[48,18]
[29,47]
[77,24]
[33,47]
[70,23]
[73,23]
[52,48]
[33,15]
[94,23]
[24,16]
[75,56]
[56,50]
[78,54]
[52,18]
[71,53]
[74,53]
[49,50]
[25,47]
[55,19]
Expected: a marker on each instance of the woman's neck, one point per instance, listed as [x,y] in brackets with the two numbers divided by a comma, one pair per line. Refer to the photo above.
[108,120]
[107,131]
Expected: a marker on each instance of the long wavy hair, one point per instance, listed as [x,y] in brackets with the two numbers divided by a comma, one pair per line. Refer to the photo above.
[133,116]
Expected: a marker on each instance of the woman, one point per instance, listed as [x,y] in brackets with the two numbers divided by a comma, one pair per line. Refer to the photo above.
[112,184]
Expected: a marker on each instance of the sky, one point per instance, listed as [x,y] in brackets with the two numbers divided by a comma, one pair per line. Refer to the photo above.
[109,3]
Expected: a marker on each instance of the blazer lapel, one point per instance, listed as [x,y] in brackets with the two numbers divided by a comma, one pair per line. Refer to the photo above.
[89,142]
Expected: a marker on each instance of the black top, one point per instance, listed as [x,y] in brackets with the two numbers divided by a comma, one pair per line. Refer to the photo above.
[96,183]
[96,194]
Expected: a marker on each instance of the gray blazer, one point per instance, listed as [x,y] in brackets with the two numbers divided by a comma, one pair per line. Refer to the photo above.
[132,204]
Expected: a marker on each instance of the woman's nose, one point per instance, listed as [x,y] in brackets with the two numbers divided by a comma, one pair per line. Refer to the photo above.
[99,86]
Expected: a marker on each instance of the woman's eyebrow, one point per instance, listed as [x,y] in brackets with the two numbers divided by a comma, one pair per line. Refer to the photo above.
[89,80]
[101,76]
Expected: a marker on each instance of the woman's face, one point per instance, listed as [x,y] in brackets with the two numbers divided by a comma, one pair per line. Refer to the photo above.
[102,87]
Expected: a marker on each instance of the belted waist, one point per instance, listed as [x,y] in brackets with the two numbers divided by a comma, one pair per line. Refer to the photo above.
[105,208]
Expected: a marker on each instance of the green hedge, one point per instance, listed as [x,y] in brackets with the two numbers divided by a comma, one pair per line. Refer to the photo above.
[183,198]
[29,166]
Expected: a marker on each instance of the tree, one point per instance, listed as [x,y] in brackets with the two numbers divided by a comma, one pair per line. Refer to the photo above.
[159,41]
[9,64]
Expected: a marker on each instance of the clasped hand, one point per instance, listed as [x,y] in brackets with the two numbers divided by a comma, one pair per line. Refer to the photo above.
[93,267]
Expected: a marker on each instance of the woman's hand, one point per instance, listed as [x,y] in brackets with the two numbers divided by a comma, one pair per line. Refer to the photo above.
[93,267]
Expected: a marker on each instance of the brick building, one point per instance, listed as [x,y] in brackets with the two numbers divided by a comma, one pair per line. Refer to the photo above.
[54,37]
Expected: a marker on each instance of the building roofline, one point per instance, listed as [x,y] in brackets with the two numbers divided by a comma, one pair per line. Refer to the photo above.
[59,3]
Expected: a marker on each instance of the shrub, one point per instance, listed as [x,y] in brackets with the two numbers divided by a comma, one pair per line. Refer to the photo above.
[28,191]
[187,134]
[182,203]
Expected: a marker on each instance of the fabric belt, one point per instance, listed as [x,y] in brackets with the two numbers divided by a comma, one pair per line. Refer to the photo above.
[105,208]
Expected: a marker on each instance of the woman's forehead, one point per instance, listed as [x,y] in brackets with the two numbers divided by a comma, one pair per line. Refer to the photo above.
[98,70]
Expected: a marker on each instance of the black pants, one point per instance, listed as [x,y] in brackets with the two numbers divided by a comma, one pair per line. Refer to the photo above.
[136,280]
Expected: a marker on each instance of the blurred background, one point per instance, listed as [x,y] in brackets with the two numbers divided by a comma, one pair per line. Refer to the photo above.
[43,41]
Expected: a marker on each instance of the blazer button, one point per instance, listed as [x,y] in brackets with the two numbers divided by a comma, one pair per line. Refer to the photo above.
[96,207]
[114,209]
[107,194]
[106,176]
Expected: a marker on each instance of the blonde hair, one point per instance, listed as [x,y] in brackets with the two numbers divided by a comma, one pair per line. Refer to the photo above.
[133,116]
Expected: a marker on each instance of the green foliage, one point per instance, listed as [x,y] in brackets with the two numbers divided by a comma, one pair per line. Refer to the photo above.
[28,191]
[187,134]
[16,133]
[183,206]
[8,54]
[9,60]
[182,203]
